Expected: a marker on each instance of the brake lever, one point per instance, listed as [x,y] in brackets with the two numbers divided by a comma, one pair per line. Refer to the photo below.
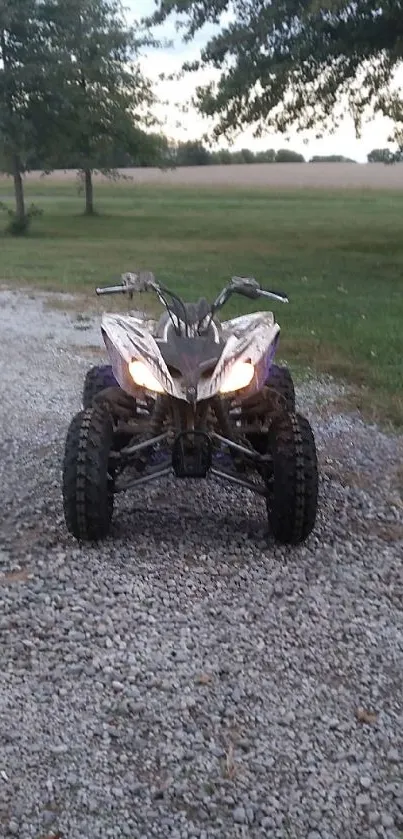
[131,282]
[138,282]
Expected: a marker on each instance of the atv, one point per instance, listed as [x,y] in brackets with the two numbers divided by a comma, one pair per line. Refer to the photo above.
[190,396]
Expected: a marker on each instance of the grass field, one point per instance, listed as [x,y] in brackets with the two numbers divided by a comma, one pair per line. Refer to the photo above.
[339,255]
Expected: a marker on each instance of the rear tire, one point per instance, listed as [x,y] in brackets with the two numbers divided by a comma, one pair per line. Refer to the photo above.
[293,491]
[87,483]
[97,379]
[280,380]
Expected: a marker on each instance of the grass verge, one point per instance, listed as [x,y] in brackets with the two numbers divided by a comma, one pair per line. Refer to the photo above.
[338,255]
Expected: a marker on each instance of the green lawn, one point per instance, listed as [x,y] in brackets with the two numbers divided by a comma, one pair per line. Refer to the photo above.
[338,255]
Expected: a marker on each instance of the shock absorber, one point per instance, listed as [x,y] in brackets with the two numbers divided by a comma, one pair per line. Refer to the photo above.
[155,428]
[158,416]
[225,425]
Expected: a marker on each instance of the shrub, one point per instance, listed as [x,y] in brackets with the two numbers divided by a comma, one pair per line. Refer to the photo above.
[18,226]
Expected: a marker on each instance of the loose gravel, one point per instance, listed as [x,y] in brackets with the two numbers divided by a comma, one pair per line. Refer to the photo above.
[189,678]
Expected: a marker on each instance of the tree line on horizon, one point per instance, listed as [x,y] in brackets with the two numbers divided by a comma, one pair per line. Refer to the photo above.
[157,151]
[195,153]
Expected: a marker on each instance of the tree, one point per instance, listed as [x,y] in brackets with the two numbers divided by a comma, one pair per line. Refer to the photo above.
[247,156]
[267,156]
[222,157]
[103,96]
[289,65]
[380,156]
[331,158]
[289,156]
[192,153]
[155,150]
[25,97]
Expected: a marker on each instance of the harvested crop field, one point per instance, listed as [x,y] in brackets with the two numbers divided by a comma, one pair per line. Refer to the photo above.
[272,176]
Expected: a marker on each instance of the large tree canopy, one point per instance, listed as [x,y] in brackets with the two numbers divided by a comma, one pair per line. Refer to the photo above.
[293,63]
[25,94]
[103,96]
[71,87]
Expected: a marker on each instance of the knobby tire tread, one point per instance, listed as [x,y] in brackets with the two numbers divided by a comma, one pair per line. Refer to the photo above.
[87,490]
[292,499]
[280,380]
[311,474]
[97,379]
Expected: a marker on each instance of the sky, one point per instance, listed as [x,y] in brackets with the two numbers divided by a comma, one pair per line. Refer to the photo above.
[191,125]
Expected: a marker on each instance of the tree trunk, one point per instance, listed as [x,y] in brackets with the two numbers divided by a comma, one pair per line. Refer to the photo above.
[89,193]
[18,189]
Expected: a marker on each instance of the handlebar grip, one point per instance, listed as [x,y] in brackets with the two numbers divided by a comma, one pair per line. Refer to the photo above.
[275,295]
[113,289]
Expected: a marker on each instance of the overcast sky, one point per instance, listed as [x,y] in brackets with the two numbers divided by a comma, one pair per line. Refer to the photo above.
[192,125]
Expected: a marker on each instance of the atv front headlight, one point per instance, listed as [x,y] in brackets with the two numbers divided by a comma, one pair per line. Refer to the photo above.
[143,377]
[240,376]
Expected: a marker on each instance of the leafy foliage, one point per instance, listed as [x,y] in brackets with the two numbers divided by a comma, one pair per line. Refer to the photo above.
[25,93]
[191,153]
[102,95]
[153,149]
[331,158]
[288,64]
[71,89]
[381,156]
[289,156]
[19,226]
[23,90]
[196,154]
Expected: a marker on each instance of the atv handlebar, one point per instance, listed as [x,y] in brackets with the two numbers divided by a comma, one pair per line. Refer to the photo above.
[131,283]
[145,281]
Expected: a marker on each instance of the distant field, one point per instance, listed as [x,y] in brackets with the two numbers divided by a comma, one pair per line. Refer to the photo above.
[339,255]
[271,175]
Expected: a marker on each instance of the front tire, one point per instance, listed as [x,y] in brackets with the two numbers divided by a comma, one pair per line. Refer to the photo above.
[87,482]
[280,380]
[293,489]
[98,378]
[277,394]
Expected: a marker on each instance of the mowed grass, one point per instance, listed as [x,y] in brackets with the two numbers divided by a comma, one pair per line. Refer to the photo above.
[338,255]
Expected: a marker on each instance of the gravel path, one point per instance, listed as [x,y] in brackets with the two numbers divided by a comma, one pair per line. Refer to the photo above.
[188,678]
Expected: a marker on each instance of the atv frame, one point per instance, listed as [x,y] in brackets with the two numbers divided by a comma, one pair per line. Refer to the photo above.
[123,440]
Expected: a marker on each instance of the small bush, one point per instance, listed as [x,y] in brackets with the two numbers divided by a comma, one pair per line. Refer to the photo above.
[20,226]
